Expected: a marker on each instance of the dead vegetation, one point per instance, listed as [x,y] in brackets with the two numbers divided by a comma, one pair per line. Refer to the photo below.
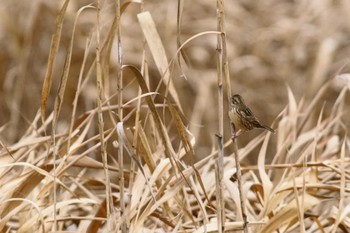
[114,116]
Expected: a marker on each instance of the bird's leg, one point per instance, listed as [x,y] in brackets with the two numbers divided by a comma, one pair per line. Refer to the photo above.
[235,133]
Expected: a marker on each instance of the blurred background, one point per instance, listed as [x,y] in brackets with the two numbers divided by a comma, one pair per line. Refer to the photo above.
[271,45]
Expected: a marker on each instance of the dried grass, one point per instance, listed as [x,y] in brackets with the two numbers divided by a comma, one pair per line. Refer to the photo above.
[114,116]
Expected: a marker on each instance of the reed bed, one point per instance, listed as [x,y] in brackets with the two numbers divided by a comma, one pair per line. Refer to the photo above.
[114,116]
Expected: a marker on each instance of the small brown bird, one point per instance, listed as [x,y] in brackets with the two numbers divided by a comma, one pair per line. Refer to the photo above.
[242,117]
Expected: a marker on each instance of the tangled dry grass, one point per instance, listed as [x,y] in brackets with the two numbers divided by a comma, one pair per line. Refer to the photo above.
[114,116]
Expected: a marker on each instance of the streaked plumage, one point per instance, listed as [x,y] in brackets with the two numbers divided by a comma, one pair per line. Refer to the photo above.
[242,117]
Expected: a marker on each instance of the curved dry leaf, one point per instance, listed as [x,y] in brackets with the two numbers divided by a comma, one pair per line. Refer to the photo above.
[64,78]
[155,44]
[51,60]
[182,131]
[265,179]
[21,187]
[145,149]
[16,211]
[139,198]
[292,104]
[28,225]
[288,213]
[234,193]
[158,123]
[48,211]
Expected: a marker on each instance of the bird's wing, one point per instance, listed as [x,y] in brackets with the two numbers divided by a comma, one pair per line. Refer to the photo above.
[246,112]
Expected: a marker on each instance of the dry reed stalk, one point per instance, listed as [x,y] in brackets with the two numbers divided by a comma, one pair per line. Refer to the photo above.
[220,67]
[57,172]
[103,149]
[222,64]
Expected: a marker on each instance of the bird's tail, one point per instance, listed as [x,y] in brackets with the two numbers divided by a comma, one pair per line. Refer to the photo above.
[268,128]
